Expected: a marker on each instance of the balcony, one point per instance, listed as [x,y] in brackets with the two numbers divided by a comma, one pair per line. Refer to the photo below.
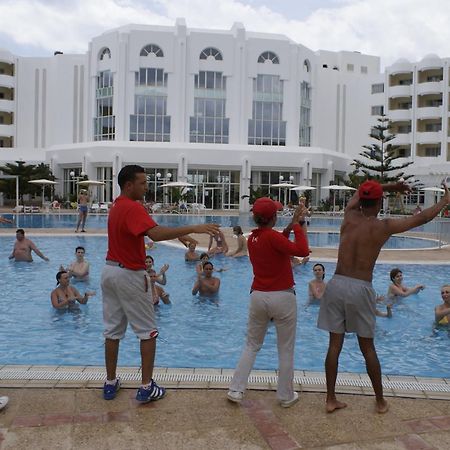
[399,114]
[7,130]
[8,81]
[429,137]
[429,112]
[402,139]
[431,87]
[400,91]
[7,106]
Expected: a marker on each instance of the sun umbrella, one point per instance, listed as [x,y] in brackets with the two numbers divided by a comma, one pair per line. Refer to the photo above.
[303,188]
[91,183]
[177,184]
[336,187]
[433,189]
[43,182]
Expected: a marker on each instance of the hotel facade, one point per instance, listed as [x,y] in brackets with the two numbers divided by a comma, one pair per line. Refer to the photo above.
[227,111]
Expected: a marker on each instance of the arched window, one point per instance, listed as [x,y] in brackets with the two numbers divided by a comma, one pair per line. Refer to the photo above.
[105,53]
[268,57]
[306,65]
[211,51]
[152,48]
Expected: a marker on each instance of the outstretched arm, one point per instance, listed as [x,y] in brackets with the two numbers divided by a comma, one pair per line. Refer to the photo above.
[161,233]
[38,252]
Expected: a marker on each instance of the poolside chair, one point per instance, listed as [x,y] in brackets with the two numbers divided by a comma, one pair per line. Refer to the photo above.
[27,209]
[35,209]
[103,208]
[18,209]
[95,207]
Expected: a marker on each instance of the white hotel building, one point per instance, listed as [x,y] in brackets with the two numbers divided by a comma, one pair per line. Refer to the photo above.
[224,110]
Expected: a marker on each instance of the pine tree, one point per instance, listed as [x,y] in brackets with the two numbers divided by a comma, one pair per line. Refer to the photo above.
[381,155]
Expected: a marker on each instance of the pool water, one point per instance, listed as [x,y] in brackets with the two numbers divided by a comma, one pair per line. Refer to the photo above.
[198,332]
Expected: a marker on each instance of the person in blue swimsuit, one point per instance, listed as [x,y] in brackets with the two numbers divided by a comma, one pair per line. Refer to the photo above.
[83,200]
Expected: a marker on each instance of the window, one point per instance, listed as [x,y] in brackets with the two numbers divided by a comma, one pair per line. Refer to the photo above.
[266,126]
[377,88]
[268,57]
[209,124]
[433,151]
[434,78]
[305,115]
[434,103]
[211,53]
[150,121]
[105,53]
[404,129]
[350,67]
[364,69]
[152,49]
[406,82]
[307,65]
[377,110]
[433,127]
[104,121]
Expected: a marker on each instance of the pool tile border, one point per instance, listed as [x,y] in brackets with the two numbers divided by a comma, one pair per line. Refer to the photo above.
[211,378]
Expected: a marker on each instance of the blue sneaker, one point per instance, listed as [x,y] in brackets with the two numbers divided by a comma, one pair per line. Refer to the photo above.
[151,393]
[110,390]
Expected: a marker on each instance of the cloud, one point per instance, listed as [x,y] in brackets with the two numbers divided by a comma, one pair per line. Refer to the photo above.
[404,28]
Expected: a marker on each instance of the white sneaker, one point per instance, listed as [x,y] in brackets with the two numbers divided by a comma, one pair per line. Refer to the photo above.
[289,403]
[235,396]
[3,402]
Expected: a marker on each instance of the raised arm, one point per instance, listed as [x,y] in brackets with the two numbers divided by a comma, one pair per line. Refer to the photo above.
[161,233]
[37,251]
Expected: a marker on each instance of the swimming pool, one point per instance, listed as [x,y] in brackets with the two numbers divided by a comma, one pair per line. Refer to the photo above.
[202,333]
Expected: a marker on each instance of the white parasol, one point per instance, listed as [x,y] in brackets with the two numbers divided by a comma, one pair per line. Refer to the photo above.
[43,182]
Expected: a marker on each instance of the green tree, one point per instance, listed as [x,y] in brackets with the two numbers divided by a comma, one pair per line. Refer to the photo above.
[26,173]
[379,163]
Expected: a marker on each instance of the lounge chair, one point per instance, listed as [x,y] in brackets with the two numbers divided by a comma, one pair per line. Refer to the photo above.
[35,209]
[18,209]
[95,207]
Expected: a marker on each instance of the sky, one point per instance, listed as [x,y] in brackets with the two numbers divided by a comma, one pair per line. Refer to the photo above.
[391,29]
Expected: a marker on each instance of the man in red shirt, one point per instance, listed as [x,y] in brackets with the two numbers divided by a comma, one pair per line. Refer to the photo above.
[272,296]
[125,285]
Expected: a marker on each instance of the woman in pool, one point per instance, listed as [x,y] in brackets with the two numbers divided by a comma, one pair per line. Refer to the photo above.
[442,312]
[220,246]
[66,296]
[272,296]
[157,291]
[206,284]
[397,289]
[241,243]
[316,287]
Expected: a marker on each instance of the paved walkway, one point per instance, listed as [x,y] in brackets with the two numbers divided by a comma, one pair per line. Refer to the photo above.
[203,419]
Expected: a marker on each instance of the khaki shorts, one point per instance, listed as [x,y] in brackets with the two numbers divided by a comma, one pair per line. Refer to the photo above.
[348,305]
[127,299]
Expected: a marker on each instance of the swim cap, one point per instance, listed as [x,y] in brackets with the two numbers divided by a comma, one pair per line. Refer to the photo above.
[266,207]
[370,190]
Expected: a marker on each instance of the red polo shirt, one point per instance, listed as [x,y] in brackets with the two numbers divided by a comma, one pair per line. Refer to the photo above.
[270,254]
[128,222]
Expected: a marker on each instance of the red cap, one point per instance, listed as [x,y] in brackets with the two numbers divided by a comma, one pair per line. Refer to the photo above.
[266,207]
[370,190]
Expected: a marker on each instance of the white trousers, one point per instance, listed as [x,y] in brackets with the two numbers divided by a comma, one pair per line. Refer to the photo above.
[281,306]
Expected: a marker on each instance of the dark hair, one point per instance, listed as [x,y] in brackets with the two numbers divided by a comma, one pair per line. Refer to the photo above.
[259,220]
[149,257]
[20,230]
[128,173]
[80,248]
[394,273]
[323,268]
[203,255]
[206,263]
[238,229]
[369,203]
[58,276]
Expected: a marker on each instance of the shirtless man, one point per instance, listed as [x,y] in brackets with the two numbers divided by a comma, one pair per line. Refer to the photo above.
[241,249]
[79,269]
[23,247]
[206,284]
[83,200]
[348,304]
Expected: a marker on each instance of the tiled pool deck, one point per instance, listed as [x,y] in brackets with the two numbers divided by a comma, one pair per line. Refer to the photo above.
[61,407]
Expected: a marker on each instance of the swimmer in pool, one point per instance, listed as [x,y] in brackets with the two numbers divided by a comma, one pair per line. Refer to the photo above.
[157,291]
[220,246]
[65,296]
[316,287]
[397,289]
[191,254]
[23,247]
[206,284]
[442,312]
[204,257]
[79,269]
[241,249]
